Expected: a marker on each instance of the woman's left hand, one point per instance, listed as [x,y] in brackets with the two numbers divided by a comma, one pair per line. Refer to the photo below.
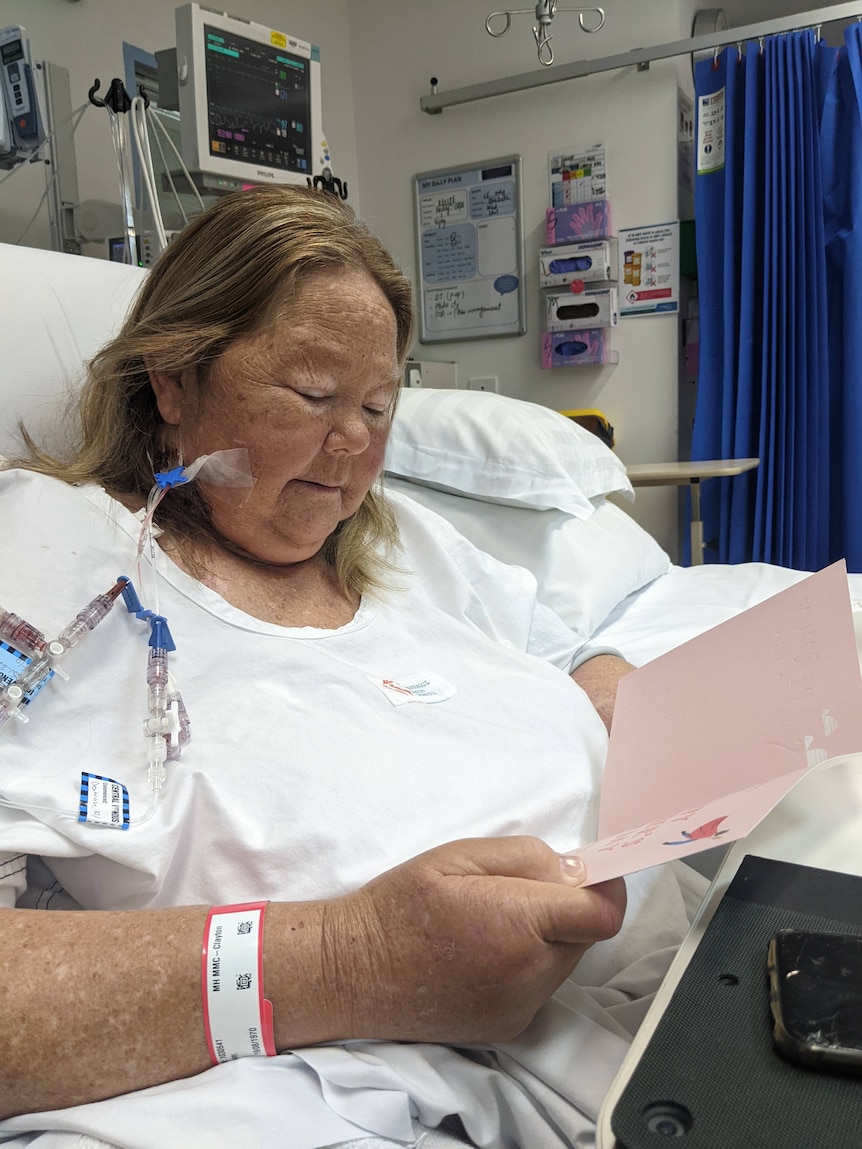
[599,677]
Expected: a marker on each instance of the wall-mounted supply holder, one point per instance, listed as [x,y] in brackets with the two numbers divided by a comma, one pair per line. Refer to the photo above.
[580,251]
[575,222]
[595,262]
[590,348]
[582,310]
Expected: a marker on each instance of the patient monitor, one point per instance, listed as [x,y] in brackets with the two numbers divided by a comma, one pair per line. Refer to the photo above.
[249,102]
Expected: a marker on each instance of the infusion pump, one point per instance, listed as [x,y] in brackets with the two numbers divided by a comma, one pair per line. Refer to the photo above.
[21,130]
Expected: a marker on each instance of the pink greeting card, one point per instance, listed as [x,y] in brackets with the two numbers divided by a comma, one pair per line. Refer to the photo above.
[709,737]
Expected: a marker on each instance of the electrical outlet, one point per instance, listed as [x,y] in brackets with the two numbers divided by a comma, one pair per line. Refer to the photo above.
[483,383]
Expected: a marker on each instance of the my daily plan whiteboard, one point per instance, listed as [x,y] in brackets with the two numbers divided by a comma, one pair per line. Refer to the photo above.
[470,251]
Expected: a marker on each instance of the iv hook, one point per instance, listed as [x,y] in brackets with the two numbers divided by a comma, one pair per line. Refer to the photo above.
[508,18]
[600,12]
[116,98]
[543,37]
[544,13]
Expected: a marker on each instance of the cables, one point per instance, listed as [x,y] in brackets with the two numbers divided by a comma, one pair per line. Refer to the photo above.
[131,139]
[154,119]
[135,145]
[141,142]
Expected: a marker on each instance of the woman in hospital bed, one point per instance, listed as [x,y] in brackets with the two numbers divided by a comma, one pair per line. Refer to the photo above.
[353,715]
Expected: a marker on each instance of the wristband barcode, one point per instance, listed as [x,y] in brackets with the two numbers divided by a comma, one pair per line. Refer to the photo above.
[237,1016]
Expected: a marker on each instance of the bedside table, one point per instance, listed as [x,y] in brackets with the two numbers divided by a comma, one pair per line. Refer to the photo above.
[691,474]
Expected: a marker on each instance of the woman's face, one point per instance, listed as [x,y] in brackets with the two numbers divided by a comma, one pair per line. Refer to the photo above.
[310,401]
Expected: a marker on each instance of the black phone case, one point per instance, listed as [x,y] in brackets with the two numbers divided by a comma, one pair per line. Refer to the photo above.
[710,1077]
[814,989]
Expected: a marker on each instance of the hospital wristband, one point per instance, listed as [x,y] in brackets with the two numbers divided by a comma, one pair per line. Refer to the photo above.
[586,652]
[237,1017]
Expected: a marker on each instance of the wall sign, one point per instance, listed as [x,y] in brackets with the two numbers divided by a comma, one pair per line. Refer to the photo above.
[650,259]
[470,251]
[578,175]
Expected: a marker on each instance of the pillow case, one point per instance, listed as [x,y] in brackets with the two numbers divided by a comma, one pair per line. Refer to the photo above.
[53,324]
[501,450]
[584,568]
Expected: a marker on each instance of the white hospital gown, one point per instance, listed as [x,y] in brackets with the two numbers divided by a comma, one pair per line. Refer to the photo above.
[306,776]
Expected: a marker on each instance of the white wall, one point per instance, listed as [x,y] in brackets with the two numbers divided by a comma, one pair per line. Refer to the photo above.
[397,45]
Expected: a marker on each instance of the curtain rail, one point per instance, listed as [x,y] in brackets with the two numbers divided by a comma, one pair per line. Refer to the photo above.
[435,103]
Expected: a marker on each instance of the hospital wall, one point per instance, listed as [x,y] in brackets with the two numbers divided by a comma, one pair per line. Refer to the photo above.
[397,45]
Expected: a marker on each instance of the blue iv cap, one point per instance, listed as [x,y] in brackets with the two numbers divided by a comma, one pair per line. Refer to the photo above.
[160,635]
[130,595]
[173,478]
[130,598]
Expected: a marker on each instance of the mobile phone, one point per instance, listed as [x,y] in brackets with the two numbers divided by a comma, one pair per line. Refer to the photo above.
[815,995]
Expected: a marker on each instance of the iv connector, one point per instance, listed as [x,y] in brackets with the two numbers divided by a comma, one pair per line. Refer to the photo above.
[166,724]
[156,762]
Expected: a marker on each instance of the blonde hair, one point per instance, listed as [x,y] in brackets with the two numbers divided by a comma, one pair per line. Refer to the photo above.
[218,281]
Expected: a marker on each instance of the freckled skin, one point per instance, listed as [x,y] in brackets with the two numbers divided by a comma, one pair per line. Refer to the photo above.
[309,399]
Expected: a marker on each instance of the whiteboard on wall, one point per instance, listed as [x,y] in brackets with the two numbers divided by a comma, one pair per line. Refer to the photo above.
[469,229]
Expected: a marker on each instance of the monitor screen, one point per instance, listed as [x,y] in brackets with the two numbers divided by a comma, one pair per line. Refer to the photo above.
[12,51]
[249,101]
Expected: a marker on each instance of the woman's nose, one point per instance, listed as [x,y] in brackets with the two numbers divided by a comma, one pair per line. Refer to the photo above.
[349,434]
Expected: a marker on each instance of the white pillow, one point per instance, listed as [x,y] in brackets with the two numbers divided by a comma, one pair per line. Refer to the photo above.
[502,450]
[61,310]
[584,568]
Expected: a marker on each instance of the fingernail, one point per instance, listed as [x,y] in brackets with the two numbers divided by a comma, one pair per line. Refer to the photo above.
[573,869]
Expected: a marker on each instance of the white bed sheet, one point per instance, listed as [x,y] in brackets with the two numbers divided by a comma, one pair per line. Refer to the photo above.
[687,601]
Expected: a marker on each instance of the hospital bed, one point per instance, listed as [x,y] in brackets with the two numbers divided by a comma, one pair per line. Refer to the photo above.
[520,481]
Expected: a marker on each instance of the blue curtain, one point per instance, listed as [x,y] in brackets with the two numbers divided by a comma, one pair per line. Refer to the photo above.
[779,258]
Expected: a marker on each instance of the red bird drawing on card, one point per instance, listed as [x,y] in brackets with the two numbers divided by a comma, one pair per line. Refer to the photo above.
[707,830]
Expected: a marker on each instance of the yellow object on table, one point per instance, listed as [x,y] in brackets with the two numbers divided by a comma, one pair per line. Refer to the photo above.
[595,421]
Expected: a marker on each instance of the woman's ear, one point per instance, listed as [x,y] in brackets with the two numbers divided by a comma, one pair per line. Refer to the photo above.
[172,392]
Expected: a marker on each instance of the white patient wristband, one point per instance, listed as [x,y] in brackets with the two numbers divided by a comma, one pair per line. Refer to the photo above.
[586,652]
[237,1016]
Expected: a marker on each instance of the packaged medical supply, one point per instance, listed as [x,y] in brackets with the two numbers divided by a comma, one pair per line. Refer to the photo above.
[578,221]
[577,348]
[581,311]
[589,262]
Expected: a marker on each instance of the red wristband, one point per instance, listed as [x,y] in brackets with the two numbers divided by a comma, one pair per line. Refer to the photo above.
[237,1016]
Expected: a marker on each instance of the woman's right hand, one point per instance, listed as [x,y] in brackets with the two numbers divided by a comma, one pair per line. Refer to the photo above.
[462,944]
